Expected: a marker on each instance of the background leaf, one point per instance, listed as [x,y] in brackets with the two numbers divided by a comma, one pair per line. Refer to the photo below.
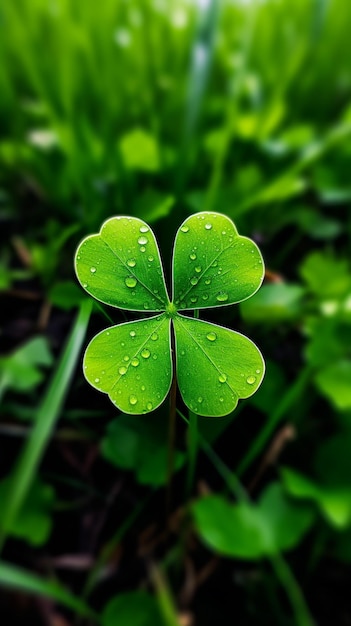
[121,266]
[132,363]
[212,264]
[228,366]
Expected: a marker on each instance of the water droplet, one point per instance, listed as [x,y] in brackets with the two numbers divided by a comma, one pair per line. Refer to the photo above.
[85,285]
[222,378]
[200,399]
[182,352]
[130,281]
[194,280]
[93,270]
[145,353]
[208,226]
[126,358]
[251,380]
[134,362]
[133,400]
[258,371]
[184,228]
[132,333]
[150,258]
[143,229]
[205,296]
[193,299]
[143,387]
[215,263]
[142,249]
[143,240]
[97,380]
[122,370]
[154,336]
[192,256]
[182,305]
[131,263]
[221,399]
[149,406]
[198,269]
[222,296]
[207,281]
[108,333]
[146,306]
[224,232]
[211,336]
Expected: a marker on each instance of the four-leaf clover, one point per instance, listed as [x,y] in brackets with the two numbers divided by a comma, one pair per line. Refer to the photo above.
[132,362]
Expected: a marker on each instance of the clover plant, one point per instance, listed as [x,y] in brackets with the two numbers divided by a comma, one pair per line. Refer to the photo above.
[132,362]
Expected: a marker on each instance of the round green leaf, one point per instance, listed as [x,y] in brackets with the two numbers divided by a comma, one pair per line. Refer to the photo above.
[212,264]
[121,266]
[132,363]
[215,366]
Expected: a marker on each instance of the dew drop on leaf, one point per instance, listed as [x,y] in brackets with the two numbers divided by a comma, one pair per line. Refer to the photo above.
[93,270]
[192,256]
[149,406]
[154,336]
[215,263]
[85,285]
[184,229]
[130,281]
[154,356]
[143,229]
[194,280]
[145,353]
[133,400]
[132,333]
[205,296]
[211,336]
[207,281]
[122,370]
[208,226]
[126,358]
[251,380]
[97,380]
[222,296]
[150,258]
[142,387]
[200,399]
[258,371]
[142,249]
[131,263]
[221,399]
[198,269]
[143,240]
[134,362]
[193,299]
[222,378]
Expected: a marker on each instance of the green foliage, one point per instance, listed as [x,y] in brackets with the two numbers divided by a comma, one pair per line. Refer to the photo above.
[140,445]
[21,370]
[250,531]
[33,523]
[212,266]
[133,608]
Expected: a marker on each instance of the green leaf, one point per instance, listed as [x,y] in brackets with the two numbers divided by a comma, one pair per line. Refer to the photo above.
[333,503]
[252,531]
[20,370]
[327,277]
[133,608]
[212,264]
[132,363]
[273,303]
[140,151]
[121,266]
[33,521]
[141,446]
[335,383]
[226,366]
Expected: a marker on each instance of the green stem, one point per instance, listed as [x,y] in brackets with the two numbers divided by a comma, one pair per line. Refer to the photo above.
[171,431]
[48,413]
[292,590]
[287,401]
[192,442]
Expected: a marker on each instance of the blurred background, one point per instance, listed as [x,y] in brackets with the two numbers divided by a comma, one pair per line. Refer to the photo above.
[159,109]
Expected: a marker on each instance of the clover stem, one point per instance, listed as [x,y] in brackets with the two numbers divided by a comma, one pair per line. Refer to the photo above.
[193,443]
[171,429]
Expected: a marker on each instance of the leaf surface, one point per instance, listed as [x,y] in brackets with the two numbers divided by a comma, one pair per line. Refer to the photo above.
[212,264]
[121,266]
[226,366]
[132,363]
